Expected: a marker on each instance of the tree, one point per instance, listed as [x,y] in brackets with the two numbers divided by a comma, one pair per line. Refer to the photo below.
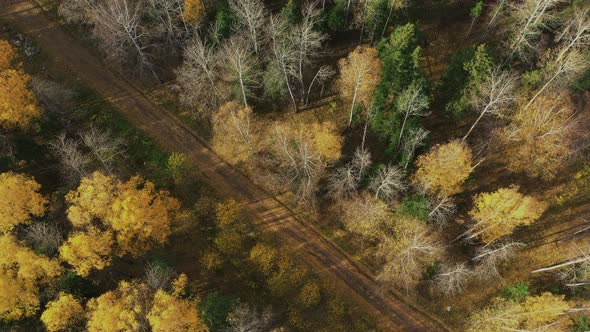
[20,200]
[88,250]
[490,258]
[158,276]
[92,199]
[388,183]
[310,295]
[240,67]
[442,209]
[171,313]
[530,18]
[44,237]
[540,138]
[283,50]
[63,313]
[19,106]
[534,313]
[141,216]
[76,11]
[193,11]
[246,318]
[405,251]
[366,216]
[412,102]
[492,95]
[359,76]
[452,279]
[344,182]
[415,139]
[105,147]
[199,77]
[7,54]
[22,274]
[444,168]
[497,214]
[575,34]
[250,16]
[74,163]
[232,132]
[122,309]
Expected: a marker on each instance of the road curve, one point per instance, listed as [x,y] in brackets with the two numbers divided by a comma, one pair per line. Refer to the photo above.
[392,311]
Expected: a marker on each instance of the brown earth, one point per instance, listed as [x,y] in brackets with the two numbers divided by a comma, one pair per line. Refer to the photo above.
[393,312]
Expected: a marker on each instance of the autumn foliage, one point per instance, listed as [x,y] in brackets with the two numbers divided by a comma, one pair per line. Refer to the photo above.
[63,313]
[20,201]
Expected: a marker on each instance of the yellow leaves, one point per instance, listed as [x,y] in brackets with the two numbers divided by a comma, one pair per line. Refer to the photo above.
[179,285]
[87,251]
[227,213]
[193,11]
[326,140]
[540,137]
[264,257]
[233,133]
[118,310]
[21,273]
[7,54]
[62,314]
[20,199]
[141,216]
[498,213]
[170,313]
[18,105]
[309,295]
[91,200]
[359,75]
[444,168]
[134,212]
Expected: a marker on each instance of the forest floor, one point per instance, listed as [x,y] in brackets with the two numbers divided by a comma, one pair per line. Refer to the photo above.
[392,311]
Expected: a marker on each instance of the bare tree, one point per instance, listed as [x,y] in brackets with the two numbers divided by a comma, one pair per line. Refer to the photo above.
[498,8]
[562,70]
[54,96]
[490,258]
[199,77]
[415,139]
[171,23]
[241,66]
[75,11]
[361,161]
[250,15]
[322,76]
[346,179]
[7,148]
[301,165]
[117,25]
[452,279]
[74,163]
[531,17]
[246,318]
[412,102]
[388,183]
[283,50]
[158,276]
[442,209]
[104,145]
[582,259]
[307,41]
[575,34]
[394,5]
[44,237]
[493,94]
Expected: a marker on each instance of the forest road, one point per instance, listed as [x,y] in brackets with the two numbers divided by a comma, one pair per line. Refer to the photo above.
[392,311]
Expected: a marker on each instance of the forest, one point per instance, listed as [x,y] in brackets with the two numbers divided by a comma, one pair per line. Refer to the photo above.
[295,165]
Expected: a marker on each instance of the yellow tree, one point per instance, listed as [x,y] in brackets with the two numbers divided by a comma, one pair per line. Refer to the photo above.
[540,138]
[359,75]
[18,106]
[63,314]
[92,199]
[530,315]
[22,272]
[325,139]
[193,11]
[20,200]
[232,132]
[497,214]
[123,309]
[171,313]
[444,168]
[141,216]
[7,54]
[88,250]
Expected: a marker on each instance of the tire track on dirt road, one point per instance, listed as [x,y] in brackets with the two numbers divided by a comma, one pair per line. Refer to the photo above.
[392,311]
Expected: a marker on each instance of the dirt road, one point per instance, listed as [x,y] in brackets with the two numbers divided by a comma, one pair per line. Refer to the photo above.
[392,312]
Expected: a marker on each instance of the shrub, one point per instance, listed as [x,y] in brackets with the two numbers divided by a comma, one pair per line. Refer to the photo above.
[517,292]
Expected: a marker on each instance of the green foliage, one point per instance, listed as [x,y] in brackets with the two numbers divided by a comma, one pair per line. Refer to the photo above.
[531,79]
[582,84]
[415,206]
[517,292]
[224,20]
[400,55]
[459,84]
[476,10]
[214,309]
[431,271]
[71,283]
[275,86]
[337,16]
[581,323]
[376,16]
[292,11]
[176,165]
